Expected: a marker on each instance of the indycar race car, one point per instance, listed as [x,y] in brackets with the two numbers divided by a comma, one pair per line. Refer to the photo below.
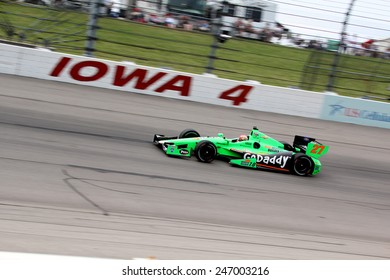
[256,150]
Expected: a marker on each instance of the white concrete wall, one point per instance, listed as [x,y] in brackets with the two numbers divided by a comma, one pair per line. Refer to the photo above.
[43,64]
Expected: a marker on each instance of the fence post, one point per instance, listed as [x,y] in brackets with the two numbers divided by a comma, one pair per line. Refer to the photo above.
[336,59]
[217,10]
[92,27]
[215,29]
[212,57]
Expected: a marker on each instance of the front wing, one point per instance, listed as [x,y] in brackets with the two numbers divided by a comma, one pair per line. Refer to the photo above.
[171,149]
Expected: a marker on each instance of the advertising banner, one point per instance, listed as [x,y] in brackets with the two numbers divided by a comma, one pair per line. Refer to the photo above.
[357,111]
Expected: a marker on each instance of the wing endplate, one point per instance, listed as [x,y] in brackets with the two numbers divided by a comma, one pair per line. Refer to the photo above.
[316,149]
[174,150]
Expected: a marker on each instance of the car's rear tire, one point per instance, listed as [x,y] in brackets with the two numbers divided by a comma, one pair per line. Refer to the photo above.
[188,133]
[301,165]
[205,151]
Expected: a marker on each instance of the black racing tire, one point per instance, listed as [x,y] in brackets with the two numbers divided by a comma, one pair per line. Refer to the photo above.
[188,133]
[205,151]
[301,165]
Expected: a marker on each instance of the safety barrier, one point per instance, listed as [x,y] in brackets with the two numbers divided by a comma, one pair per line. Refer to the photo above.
[132,78]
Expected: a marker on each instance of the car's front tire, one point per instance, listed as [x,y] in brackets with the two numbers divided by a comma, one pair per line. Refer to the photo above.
[301,165]
[188,133]
[205,151]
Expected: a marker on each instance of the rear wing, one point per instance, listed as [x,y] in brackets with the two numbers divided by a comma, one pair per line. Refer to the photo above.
[310,146]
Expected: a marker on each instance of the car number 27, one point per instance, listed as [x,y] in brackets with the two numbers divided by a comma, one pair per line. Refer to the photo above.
[317,149]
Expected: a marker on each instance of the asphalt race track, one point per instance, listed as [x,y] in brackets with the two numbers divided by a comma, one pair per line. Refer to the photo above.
[79,176]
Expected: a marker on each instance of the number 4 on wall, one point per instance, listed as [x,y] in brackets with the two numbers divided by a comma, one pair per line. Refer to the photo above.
[237,94]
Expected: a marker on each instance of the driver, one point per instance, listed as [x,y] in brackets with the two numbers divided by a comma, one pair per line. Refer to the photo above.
[243,138]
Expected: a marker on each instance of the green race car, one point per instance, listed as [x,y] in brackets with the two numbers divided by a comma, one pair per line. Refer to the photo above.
[256,150]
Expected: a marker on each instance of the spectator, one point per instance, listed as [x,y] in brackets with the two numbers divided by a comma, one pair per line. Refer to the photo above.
[314,44]
[368,44]
[170,21]
[297,40]
[137,15]
[368,47]
[115,8]
[204,26]
[266,34]
[184,22]
[239,27]
[278,31]
[153,18]
[187,25]
[249,26]
[249,30]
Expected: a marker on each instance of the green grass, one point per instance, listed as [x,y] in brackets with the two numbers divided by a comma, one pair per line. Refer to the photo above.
[180,50]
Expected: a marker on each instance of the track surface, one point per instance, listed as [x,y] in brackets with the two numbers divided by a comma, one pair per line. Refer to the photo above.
[79,176]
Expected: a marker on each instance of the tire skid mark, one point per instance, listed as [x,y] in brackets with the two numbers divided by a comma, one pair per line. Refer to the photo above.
[71,186]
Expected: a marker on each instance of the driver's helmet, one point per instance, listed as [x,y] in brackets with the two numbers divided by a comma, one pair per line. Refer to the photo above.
[243,138]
